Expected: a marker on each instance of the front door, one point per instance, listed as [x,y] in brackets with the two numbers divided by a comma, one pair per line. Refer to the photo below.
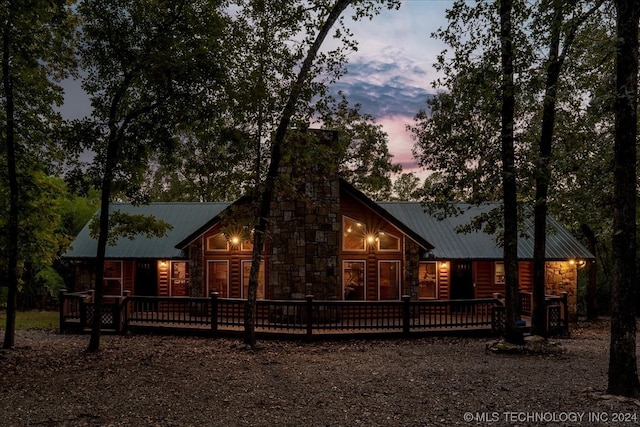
[146,278]
[461,280]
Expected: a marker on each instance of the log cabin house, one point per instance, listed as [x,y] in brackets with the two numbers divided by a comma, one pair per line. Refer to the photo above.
[347,248]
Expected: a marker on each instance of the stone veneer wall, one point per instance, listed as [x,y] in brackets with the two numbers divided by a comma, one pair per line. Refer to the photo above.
[412,262]
[561,277]
[196,269]
[305,228]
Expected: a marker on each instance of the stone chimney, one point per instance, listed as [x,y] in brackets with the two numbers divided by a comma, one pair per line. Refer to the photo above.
[305,219]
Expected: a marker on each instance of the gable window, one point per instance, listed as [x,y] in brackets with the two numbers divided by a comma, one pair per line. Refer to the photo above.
[179,279]
[353,235]
[389,280]
[388,242]
[499,275]
[113,278]
[428,280]
[353,279]
[217,242]
[246,272]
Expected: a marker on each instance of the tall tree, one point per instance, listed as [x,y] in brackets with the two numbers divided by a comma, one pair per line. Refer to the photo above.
[510,201]
[623,370]
[458,138]
[35,54]
[150,66]
[558,50]
[300,91]
[367,162]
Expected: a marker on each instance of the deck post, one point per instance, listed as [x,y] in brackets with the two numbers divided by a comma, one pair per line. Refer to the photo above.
[214,313]
[61,299]
[309,299]
[406,314]
[123,315]
[565,308]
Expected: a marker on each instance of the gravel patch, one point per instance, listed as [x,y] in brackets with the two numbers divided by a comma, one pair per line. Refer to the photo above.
[143,380]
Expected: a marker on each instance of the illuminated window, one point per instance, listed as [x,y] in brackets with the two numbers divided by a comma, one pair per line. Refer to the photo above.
[389,280]
[499,276]
[353,235]
[388,242]
[353,279]
[218,278]
[428,280]
[246,271]
[179,286]
[217,242]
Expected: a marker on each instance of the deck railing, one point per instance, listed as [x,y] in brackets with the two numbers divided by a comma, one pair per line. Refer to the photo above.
[294,317]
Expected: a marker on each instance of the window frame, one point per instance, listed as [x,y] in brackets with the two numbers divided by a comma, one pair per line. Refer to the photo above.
[364,278]
[219,261]
[391,235]
[496,281]
[435,265]
[398,278]
[213,249]
[113,278]
[357,223]
[186,277]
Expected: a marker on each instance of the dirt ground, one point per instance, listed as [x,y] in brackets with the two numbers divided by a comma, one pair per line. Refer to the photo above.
[48,380]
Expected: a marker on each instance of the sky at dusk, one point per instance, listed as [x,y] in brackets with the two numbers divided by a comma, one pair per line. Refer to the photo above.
[390,74]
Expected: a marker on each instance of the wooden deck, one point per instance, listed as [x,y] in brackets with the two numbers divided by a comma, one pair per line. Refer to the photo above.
[298,318]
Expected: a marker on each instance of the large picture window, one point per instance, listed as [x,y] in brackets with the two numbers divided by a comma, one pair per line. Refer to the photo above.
[218,278]
[389,280]
[353,274]
[428,282]
[353,235]
[246,271]
[113,278]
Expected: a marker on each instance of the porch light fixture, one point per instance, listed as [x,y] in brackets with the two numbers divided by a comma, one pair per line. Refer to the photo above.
[443,264]
[163,264]
[371,239]
[235,240]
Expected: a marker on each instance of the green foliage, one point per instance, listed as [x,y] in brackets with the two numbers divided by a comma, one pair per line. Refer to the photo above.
[406,187]
[457,136]
[130,226]
[366,162]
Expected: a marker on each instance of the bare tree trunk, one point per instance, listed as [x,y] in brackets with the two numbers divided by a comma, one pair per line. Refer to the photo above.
[107,181]
[512,314]
[592,285]
[12,172]
[276,156]
[623,371]
[543,174]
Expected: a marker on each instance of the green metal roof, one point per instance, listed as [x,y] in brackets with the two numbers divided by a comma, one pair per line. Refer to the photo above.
[189,219]
[185,218]
[450,244]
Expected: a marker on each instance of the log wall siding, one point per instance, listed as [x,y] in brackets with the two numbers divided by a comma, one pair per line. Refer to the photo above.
[483,277]
[443,280]
[128,275]
[525,276]
[163,279]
